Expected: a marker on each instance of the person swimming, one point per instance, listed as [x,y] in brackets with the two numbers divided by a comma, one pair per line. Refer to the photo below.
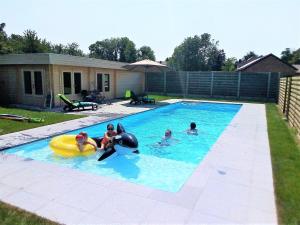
[82,140]
[192,130]
[167,138]
[108,136]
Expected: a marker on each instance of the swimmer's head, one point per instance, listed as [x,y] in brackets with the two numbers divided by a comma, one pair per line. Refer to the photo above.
[193,125]
[110,127]
[168,133]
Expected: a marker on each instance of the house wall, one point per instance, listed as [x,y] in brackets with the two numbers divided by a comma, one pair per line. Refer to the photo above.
[134,81]
[12,85]
[8,80]
[88,81]
[270,64]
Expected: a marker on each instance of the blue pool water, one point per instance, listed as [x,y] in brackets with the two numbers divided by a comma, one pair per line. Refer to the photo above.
[161,167]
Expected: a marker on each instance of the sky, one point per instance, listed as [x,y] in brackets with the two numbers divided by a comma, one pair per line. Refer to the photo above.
[240,26]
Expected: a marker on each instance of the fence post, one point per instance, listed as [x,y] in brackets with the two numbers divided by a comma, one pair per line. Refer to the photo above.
[239,85]
[165,82]
[268,87]
[212,84]
[187,83]
[278,87]
[285,95]
[289,98]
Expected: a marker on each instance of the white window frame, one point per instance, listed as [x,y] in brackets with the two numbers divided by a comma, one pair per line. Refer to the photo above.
[103,75]
[33,82]
[72,81]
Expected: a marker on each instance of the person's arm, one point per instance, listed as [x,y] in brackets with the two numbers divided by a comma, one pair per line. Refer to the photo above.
[95,146]
[80,147]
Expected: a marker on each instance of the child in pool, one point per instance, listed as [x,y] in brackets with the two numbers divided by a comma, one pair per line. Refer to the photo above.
[82,140]
[108,137]
[166,139]
[193,130]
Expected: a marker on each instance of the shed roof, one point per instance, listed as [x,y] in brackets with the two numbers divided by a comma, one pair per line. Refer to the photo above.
[297,66]
[253,61]
[58,59]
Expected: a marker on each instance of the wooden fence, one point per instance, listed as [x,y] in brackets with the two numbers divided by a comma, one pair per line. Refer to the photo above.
[289,100]
[235,85]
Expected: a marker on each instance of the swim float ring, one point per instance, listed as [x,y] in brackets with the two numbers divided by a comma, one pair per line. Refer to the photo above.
[66,146]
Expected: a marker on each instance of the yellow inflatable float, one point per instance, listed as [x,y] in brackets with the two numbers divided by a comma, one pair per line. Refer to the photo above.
[66,146]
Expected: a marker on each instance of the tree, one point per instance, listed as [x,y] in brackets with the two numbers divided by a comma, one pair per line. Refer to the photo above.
[249,55]
[105,49]
[127,50]
[31,42]
[229,64]
[286,55]
[198,53]
[73,49]
[145,52]
[115,49]
[58,49]
[16,43]
[4,46]
[292,57]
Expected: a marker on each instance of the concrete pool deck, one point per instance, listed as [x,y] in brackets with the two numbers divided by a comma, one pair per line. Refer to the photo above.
[232,185]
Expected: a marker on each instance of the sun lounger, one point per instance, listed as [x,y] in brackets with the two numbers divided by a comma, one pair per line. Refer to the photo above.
[78,105]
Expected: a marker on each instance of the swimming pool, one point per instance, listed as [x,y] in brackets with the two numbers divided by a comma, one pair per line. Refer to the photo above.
[162,167]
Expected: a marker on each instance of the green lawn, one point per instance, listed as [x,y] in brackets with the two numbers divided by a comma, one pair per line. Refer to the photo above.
[9,126]
[10,215]
[285,152]
[163,97]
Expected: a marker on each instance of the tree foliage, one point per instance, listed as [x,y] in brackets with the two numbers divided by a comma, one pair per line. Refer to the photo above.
[291,57]
[145,52]
[249,55]
[4,47]
[29,42]
[198,53]
[115,49]
[33,44]
[229,64]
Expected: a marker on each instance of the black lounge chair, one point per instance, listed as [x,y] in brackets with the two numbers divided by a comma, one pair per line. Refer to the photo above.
[146,99]
[71,105]
[141,99]
[135,99]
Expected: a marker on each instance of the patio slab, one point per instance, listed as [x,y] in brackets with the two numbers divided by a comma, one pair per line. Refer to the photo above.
[232,185]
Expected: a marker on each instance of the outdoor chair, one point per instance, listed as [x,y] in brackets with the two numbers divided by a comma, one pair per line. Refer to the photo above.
[135,99]
[96,96]
[146,99]
[138,99]
[79,105]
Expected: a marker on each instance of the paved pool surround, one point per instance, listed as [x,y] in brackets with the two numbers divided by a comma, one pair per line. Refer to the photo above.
[233,184]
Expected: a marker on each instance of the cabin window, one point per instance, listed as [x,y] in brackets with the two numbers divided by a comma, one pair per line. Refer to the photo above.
[106,82]
[27,82]
[99,82]
[33,82]
[77,82]
[67,83]
[38,83]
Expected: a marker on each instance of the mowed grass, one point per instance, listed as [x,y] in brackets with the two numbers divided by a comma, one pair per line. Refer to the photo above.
[285,151]
[9,126]
[164,97]
[10,215]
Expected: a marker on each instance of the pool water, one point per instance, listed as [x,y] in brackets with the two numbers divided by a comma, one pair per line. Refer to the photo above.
[162,167]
